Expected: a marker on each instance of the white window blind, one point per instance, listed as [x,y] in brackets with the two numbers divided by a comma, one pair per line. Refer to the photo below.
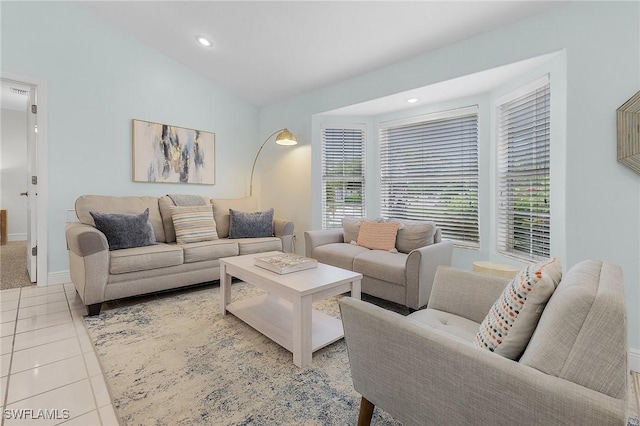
[343,150]
[429,171]
[523,172]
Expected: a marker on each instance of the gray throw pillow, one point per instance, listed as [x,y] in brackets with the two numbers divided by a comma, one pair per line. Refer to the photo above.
[125,230]
[250,225]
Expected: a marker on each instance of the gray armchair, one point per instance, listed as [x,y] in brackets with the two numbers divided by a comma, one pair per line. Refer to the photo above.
[424,369]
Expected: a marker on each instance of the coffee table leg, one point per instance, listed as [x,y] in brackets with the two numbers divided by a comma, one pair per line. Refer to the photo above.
[355,289]
[302,338]
[225,289]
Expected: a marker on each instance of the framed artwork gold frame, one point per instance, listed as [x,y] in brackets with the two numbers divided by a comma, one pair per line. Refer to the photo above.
[164,153]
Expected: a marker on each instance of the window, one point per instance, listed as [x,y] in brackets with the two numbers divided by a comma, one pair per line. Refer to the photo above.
[342,174]
[523,171]
[429,171]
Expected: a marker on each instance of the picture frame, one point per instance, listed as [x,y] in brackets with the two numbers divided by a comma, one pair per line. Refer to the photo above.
[164,153]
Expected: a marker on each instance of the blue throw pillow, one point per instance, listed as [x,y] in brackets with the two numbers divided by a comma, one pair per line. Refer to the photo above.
[125,230]
[250,225]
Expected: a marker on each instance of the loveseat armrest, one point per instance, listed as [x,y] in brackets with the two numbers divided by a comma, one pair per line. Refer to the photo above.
[88,261]
[421,267]
[313,239]
[422,376]
[284,230]
[465,293]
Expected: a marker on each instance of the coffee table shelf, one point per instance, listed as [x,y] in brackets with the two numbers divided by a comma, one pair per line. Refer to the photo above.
[273,317]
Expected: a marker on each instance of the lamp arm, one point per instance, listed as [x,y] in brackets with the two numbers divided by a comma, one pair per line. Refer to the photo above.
[256,159]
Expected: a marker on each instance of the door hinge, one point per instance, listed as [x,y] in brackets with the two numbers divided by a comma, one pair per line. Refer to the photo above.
[34,180]
[34,251]
[34,109]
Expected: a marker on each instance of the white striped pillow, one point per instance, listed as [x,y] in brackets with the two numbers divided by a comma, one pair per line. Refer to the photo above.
[193,224]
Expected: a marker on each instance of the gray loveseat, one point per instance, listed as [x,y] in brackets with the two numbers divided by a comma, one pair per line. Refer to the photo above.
[99,274]
[426,369]
[404,276]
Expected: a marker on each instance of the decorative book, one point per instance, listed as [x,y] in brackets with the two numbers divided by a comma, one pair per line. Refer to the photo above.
[285,263]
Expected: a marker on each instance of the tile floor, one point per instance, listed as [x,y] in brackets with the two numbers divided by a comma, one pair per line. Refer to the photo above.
[47,361]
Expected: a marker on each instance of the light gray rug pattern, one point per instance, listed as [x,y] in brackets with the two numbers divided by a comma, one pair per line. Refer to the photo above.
[176,360]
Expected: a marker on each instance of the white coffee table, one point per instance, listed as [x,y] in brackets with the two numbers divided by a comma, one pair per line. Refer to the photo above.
[285,314]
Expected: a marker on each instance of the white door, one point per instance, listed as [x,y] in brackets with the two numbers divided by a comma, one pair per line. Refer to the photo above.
[32,191]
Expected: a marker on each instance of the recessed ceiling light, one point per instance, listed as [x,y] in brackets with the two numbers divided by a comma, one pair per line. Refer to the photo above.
[412,100]
[204,41]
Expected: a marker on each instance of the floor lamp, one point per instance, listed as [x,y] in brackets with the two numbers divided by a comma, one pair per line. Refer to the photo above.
[285,137]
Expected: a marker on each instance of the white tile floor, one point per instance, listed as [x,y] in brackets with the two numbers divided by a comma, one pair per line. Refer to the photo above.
[47,361]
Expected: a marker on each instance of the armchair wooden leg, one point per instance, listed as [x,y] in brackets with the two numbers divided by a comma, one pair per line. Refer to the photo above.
[366,412]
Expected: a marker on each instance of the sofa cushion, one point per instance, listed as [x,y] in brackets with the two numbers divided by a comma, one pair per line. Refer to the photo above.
[165,203]
[258,245]
[193,224]
[507,328]
[209,250]
[145,258]
[415,234]
[461,328]
[125,230]
[120,205]
[250,224]
[350,228]
[382,265]
[378,236]
[221,211]
[340,255]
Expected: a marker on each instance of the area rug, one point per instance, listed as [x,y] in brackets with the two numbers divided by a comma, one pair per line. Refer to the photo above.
[175,360]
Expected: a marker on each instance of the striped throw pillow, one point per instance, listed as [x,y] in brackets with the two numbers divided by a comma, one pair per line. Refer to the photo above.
[509,325]
[193,224]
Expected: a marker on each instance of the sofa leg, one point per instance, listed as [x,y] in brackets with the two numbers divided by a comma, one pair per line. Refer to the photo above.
[366,412]
[94,309]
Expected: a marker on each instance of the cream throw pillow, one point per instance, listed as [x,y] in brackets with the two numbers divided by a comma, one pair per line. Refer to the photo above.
[378,236]
[193,224]
[509,325]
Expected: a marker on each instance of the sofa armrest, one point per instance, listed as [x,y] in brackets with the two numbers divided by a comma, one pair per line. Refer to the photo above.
[284,230]
[88,261]
[85,240]
[313,239]
[421,269]
[465,293]
[421,376]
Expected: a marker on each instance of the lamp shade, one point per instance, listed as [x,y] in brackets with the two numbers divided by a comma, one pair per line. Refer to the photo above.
[285,137]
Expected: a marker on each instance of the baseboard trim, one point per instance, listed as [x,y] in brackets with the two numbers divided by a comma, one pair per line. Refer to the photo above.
[16,237]
[60,277]
[634,360]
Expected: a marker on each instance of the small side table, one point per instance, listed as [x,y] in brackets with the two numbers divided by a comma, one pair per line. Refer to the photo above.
[493,268]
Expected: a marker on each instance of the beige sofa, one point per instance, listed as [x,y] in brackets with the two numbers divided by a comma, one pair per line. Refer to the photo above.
[426,369]
[100,275]
[403,277]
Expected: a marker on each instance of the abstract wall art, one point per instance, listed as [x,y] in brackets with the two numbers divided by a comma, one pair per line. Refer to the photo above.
[171,154]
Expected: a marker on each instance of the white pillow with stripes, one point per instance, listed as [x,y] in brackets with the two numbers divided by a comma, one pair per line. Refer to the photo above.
[194,224]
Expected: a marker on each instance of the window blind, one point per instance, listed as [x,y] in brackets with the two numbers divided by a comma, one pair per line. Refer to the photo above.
[429,171]
[524,172]
[343,149]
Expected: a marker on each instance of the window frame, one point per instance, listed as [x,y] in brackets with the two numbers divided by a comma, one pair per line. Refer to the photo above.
[507,234]
[354,209]
[465,233]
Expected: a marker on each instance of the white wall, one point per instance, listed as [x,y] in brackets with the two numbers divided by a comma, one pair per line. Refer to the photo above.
[98,80]
[601,41]
[13,166]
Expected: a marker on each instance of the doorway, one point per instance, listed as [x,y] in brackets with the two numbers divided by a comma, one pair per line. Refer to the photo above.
[23,172]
